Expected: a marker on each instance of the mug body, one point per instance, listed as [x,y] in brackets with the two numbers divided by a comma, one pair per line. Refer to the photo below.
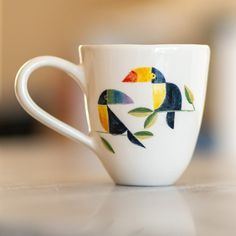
[145,106]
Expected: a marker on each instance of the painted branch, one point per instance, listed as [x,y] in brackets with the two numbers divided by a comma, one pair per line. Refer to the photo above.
[176,111]
[102,132]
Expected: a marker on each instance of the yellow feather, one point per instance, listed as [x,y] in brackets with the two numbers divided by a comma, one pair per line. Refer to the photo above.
[159,94]
[103,115]
[144,74]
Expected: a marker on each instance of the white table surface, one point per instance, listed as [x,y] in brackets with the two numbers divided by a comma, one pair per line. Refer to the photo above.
[49,187]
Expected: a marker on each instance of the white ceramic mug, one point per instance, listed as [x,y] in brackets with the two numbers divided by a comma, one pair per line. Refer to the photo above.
[144,106]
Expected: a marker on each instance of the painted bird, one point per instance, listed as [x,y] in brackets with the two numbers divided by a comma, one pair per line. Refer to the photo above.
[166,96]
[109,121]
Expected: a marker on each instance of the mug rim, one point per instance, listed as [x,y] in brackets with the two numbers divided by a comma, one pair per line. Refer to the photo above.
[142,45]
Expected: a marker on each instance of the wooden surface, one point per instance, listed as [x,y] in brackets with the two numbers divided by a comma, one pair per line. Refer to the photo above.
[49,187]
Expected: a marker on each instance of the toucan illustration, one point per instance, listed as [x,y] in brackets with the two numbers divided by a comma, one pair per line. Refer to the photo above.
[166,96]
[109,121]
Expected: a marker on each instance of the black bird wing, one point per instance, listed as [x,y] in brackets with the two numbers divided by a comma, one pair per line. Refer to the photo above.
[133,139]
[117,127]
[173,99]
[115,124]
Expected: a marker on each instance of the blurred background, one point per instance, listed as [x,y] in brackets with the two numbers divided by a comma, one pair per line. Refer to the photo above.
[30,28]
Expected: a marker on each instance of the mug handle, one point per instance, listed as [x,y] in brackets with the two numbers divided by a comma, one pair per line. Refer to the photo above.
[22,94]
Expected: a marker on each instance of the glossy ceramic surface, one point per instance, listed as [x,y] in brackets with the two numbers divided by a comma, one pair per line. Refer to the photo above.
[145,106]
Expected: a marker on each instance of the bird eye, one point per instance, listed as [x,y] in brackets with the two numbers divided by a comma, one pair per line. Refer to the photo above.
[105,97]
[153,76]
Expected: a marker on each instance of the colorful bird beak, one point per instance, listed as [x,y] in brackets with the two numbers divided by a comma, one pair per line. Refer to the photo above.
[140,74]
[131,77]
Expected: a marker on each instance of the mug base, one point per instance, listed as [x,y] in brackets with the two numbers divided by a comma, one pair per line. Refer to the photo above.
[144,184]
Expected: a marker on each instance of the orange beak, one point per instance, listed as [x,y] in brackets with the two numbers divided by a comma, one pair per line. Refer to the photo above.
[131,77]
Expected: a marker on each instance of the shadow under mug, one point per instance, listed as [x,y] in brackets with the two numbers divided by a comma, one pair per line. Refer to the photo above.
[144,106]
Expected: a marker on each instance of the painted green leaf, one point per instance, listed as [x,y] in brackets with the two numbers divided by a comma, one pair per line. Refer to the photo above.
[151,119]
[107,145]
[189,94]
[140,112]
[143,134]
